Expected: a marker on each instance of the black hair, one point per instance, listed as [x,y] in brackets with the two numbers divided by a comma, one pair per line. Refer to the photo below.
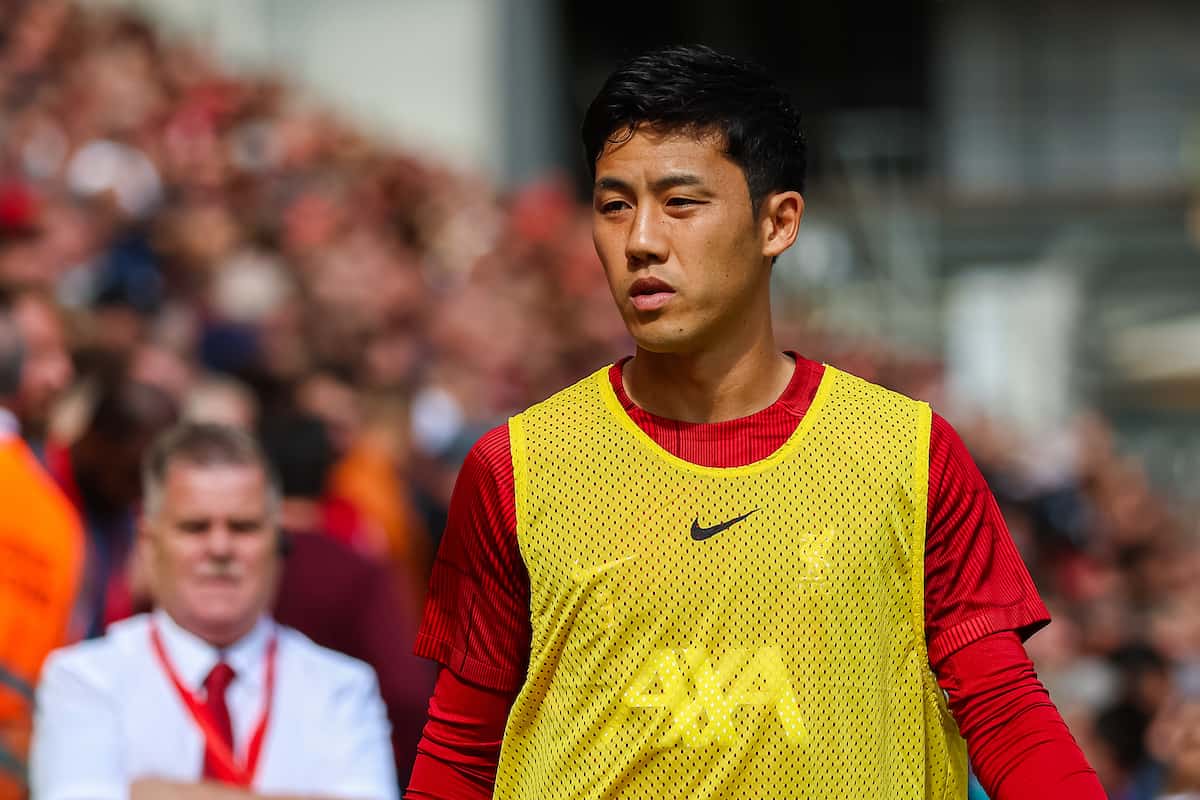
[696,90]
[127,409]
[300,450]
[1122,728]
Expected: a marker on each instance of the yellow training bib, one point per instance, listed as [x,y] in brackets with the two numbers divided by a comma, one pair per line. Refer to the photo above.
[750,632]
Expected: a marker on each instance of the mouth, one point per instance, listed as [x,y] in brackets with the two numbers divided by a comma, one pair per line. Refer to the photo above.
[219,579]
[650,294]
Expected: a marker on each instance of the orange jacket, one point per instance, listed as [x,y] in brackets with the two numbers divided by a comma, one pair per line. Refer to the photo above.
[41,558]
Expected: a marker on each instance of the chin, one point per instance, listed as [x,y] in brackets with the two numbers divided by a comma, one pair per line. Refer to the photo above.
[223,630]
[216,619]
[664,342]
[661,335]
[664,348]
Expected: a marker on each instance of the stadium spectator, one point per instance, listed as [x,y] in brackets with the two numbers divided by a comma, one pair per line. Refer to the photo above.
[338,597]
[46,369]
[41,540]
[100,472]
[208,695]
[329,591]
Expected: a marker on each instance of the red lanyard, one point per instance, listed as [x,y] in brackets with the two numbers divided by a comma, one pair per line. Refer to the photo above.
[234,773]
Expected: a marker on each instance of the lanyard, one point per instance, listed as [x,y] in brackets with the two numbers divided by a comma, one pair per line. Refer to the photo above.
[232,772]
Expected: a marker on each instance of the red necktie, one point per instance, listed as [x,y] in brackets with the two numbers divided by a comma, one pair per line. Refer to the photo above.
[214,700]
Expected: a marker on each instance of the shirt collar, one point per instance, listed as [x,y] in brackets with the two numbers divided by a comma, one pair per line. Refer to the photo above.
[193,658]
[10,426]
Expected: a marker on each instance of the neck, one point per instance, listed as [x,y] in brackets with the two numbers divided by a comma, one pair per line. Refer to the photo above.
[223,640]
[219,636]
[711,385]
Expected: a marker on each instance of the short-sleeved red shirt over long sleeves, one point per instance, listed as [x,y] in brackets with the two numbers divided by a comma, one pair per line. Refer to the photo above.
[979,603]
[477,618]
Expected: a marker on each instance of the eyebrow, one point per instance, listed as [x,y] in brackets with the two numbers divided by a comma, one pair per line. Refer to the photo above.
[670,181]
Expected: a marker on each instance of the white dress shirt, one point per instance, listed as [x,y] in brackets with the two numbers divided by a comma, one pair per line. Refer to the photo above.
[9,426]
[107,714]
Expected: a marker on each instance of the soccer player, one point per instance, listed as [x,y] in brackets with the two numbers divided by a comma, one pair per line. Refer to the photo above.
[715,569]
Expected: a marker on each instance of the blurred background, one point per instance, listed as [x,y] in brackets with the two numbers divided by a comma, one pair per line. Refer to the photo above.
[361,229]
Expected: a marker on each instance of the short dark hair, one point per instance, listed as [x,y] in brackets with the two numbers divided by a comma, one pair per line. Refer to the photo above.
[299,448]
[696,90]
[202,444]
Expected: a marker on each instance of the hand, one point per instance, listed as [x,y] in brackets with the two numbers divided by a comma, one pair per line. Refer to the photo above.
[157,789]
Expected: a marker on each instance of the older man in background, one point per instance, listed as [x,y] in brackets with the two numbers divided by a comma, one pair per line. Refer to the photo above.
[208,697]
[41,541]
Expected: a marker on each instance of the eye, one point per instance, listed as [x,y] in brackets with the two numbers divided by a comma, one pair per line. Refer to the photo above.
[193,525]
[613,206]
[245,525]
[682,202]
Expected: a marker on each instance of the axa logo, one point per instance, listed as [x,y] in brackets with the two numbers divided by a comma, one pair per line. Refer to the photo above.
[700,697]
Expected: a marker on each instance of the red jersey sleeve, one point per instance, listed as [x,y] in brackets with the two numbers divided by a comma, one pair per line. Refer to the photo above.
[460,749]
[975,581]
[1019,745]
[476,620]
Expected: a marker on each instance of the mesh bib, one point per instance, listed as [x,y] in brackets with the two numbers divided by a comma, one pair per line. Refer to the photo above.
[749,632]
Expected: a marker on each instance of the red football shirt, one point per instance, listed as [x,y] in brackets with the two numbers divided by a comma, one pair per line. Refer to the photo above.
[979,600]
[477,617]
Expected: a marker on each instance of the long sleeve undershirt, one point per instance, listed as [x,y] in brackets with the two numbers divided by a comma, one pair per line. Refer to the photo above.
[979,604]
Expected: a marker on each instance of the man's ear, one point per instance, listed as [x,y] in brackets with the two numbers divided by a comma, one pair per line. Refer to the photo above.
[780,215]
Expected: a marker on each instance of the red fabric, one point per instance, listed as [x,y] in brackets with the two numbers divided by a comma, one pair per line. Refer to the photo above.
[459,752]
[975,581]
[1019,745]
[341,520]
[479,577]
[476,619]
[214,702]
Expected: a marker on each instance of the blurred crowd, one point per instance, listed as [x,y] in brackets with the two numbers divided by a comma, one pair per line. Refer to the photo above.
[217,248]
[1118,565]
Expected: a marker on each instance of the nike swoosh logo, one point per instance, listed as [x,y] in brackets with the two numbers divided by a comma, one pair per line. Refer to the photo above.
[700,534]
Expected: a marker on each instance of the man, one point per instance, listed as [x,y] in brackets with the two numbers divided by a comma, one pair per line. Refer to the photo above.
[716,570]
[41,541]
[208,697]
[100,472]
[46,369]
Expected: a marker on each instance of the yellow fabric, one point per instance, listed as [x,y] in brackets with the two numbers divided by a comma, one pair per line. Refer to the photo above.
[782,656]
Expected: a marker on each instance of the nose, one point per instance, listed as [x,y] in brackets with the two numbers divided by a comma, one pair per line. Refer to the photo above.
[219,542]
[647,241]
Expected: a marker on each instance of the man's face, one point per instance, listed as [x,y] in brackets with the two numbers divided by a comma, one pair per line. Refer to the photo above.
[212,549]
[680,245]
[46,370]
